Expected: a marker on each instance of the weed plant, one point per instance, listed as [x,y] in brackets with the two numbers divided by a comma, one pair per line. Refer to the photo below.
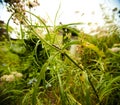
[90,76]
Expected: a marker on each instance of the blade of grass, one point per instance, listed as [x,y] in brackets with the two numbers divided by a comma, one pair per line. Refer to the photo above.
[62,93]
[40,77]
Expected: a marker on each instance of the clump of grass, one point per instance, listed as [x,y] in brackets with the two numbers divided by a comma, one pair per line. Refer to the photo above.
[89,77]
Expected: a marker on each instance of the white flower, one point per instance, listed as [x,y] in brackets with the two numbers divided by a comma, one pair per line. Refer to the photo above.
[10,78]
[3,78]
[31,81]
[115,49]
[16,74]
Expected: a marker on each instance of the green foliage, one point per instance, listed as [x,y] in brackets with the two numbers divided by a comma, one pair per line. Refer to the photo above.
[89,75]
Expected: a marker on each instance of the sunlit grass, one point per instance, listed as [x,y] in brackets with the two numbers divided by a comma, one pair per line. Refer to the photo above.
[88,77]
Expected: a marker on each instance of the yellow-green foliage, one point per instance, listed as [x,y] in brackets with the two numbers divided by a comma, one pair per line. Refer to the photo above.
[91,76]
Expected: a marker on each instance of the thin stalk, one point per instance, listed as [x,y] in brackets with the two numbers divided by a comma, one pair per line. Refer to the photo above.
[94,89]
[57,14]
[73,61]
[21,32]
[7,26]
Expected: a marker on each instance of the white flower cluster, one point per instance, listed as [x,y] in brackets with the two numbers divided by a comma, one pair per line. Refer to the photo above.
[11,77]
[115,49]
[32,3]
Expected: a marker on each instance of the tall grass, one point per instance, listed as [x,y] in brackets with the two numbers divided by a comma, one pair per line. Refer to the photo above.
[91,77]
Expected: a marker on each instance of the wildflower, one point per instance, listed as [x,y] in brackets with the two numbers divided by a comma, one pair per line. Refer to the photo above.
[32,3]
[48,85]
[16,74]
[115,49]
[33,80]
[10,78]
[3,78]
